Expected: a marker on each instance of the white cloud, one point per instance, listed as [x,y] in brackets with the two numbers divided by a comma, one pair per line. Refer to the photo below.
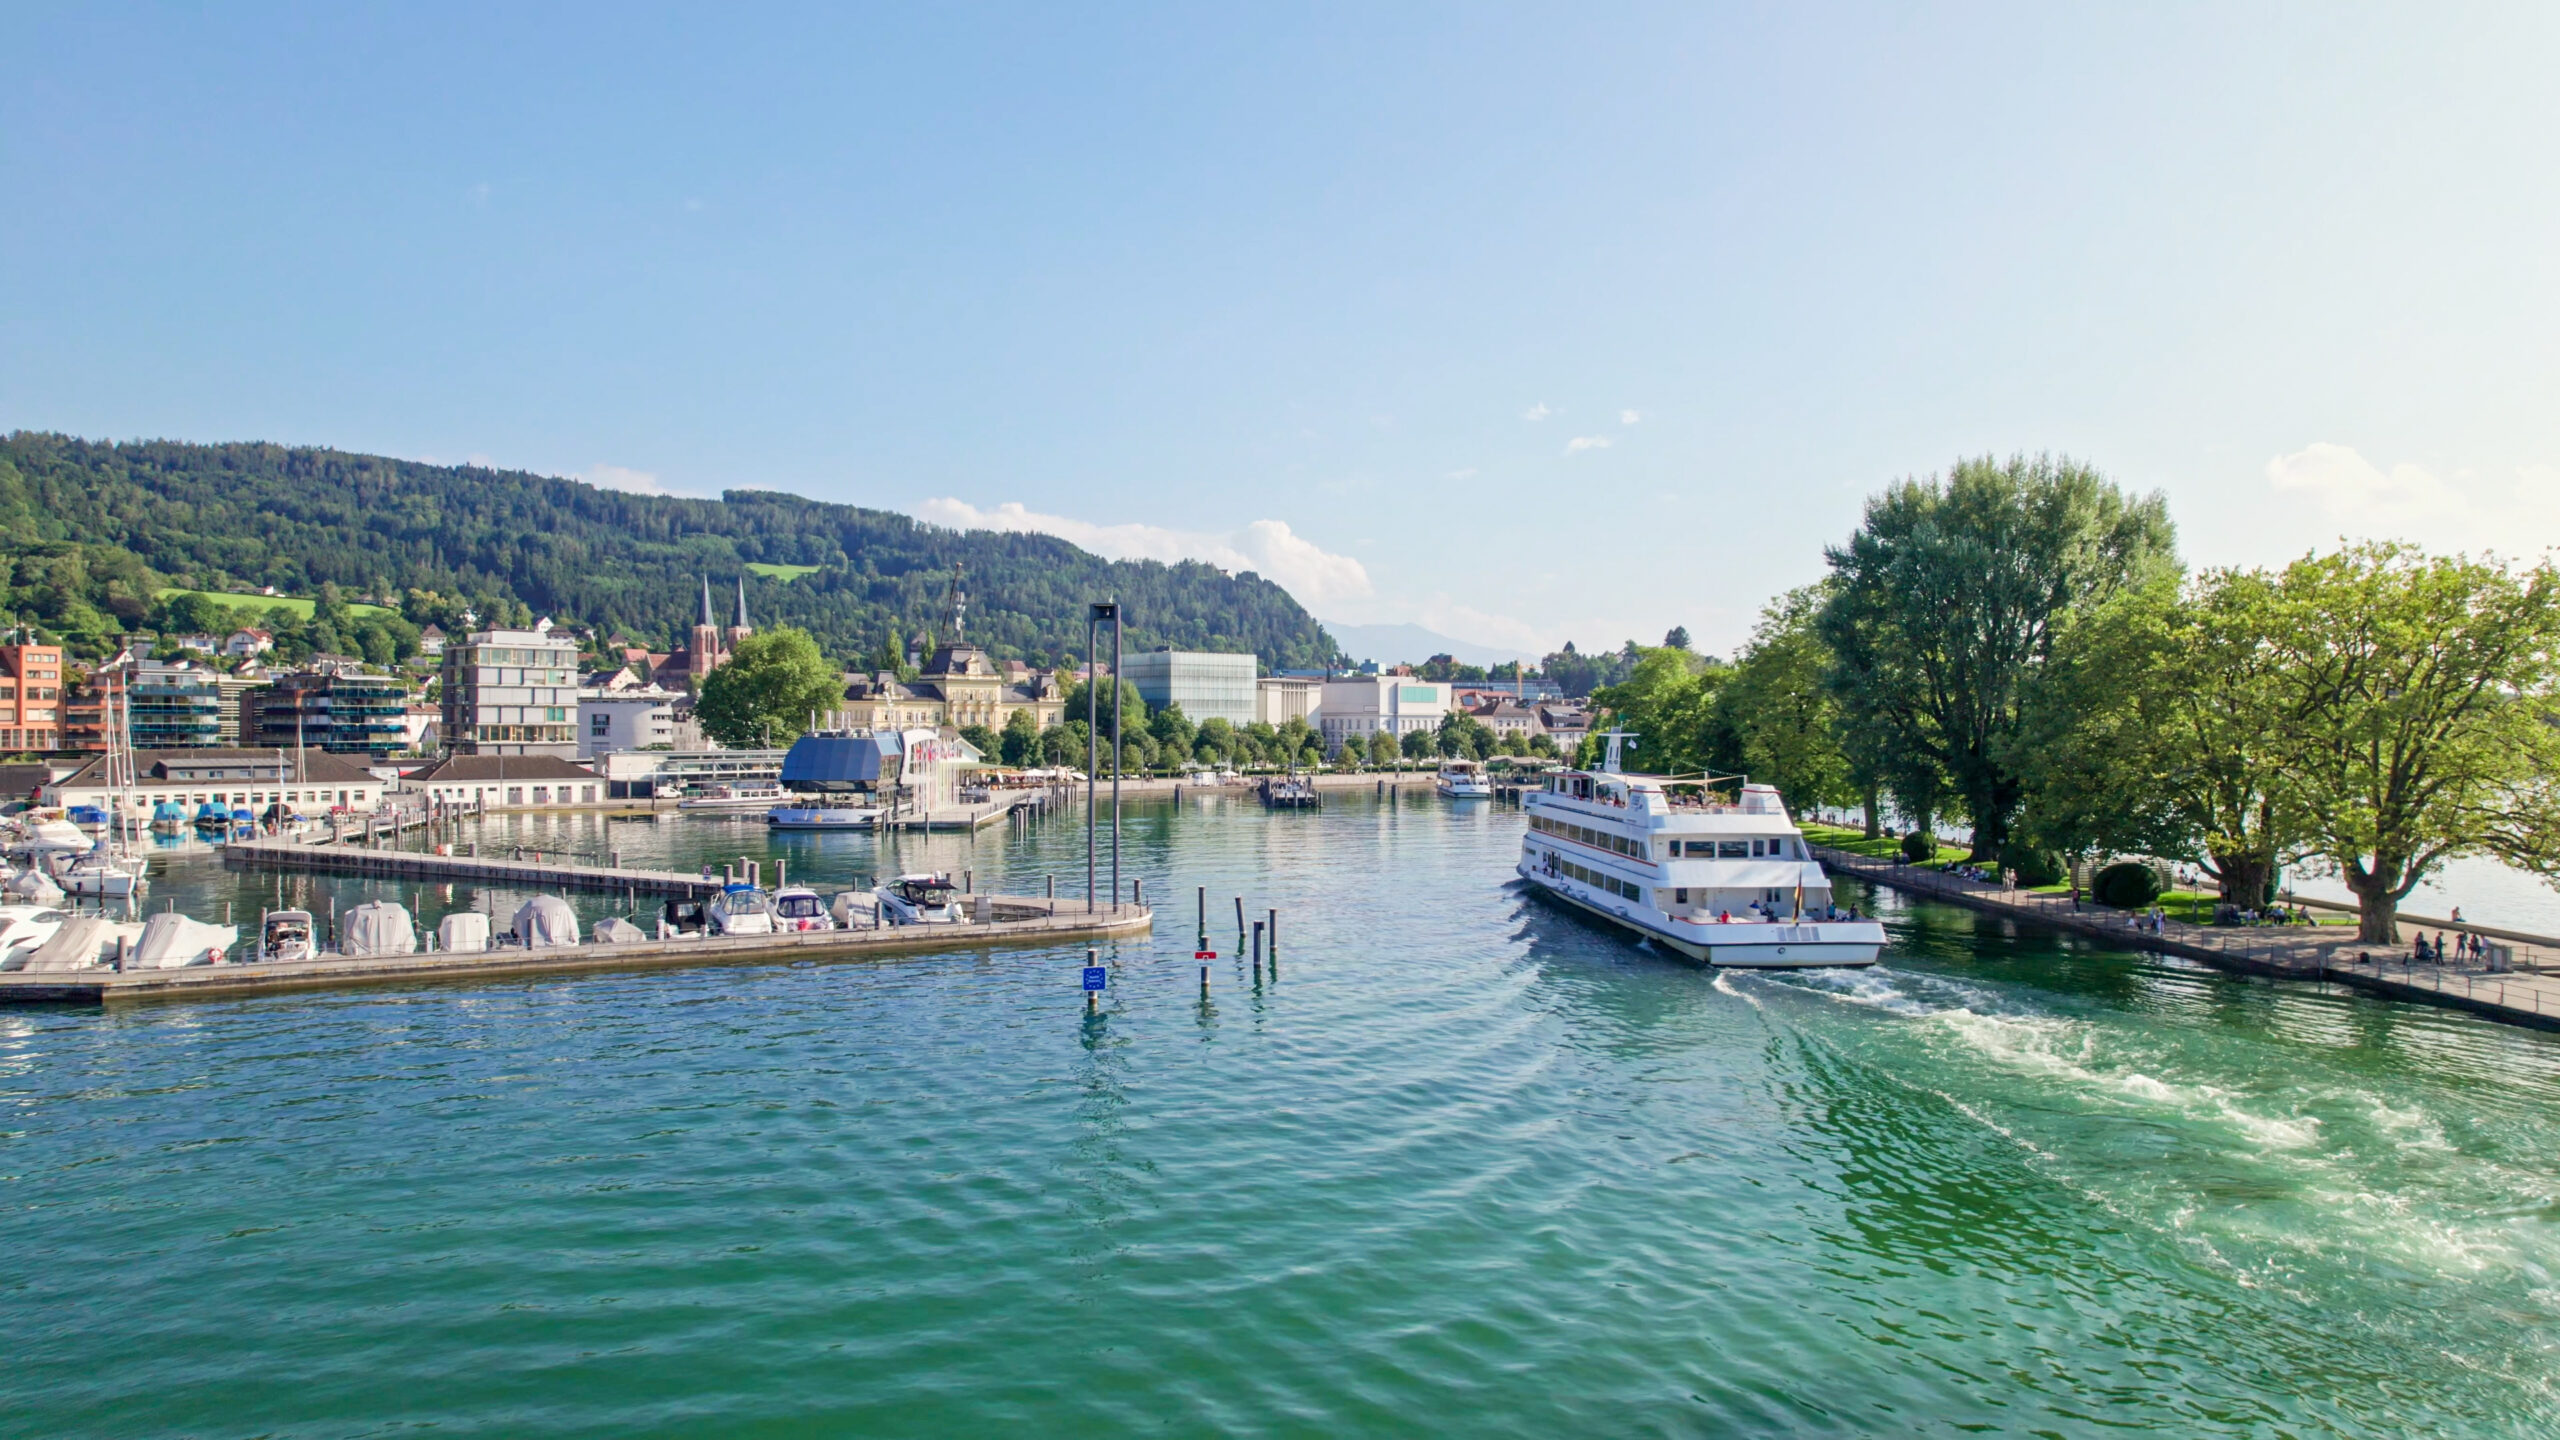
[2463,510]
[1580,443]
[1539,411]
[1628,417]
[2354,491]
[1316,576]
[620,477]
[1466,474]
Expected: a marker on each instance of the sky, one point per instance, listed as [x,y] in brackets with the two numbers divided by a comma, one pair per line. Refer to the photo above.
[1522,324]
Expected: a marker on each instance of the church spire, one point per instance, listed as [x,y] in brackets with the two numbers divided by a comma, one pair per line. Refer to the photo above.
[706,601]
[742,602]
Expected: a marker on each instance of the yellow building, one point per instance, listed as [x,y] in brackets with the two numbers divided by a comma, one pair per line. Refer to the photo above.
[959,687]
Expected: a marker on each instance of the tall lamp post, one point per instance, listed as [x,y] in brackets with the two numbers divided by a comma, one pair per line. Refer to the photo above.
[1095,614]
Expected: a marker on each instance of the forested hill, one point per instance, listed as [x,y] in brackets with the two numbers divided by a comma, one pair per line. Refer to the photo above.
[238,517]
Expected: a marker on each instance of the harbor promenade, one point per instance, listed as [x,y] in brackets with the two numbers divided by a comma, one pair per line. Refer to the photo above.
[2528,993]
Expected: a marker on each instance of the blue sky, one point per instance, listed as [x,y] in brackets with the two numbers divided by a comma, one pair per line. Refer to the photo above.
[1523,324]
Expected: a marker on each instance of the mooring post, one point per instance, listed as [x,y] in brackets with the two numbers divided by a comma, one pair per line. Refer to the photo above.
[1275,941]
[1137,890]
[1204,922]
[1239,922]
[1092,998]
[1257,949]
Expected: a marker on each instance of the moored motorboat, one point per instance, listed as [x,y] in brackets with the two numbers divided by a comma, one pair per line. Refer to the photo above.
[287,935]
[740,909]
[23,931]
[823,817]
[1462,780]
[919,900]
[797,907]
[733,797]
[1725,881]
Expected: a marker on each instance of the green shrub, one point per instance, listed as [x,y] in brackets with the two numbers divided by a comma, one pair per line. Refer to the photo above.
[2126,885]
[2034,867]
[1918,848]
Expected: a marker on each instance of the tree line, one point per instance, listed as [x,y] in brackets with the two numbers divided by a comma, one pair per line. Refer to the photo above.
[90,533]
[2015,647]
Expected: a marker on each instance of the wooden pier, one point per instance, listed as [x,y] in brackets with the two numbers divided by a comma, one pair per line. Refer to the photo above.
[2527,995]
[426,866]
[1010,920]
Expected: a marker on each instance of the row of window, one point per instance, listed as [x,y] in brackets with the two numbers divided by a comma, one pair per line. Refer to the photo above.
[1594,878]
[488,794]
[1735,849]
[1586,835]
[546,733]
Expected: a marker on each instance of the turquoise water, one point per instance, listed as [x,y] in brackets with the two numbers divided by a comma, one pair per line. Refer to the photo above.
[1468,1166]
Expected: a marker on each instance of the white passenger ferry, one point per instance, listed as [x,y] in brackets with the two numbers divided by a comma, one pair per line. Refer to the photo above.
[1462,780]
[1725,881]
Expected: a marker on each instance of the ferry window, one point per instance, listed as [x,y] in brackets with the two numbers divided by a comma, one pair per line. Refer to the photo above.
[1680,896]
[1733,849]
[1756,850]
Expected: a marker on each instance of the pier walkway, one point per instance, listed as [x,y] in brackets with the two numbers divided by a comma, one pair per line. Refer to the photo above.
[536,874]
[2528,994]
[1010,920]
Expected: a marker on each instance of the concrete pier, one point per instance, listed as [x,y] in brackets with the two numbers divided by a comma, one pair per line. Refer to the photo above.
[479,869]
[1013,920]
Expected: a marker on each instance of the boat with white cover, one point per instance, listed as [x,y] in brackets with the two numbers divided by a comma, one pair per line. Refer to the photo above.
[171,941]
[1725,881]
[1462,780]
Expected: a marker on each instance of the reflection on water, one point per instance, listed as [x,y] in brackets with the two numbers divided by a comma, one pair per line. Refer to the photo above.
[1466,1164]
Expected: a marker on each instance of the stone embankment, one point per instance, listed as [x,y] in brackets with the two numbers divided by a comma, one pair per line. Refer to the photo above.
[2528,993]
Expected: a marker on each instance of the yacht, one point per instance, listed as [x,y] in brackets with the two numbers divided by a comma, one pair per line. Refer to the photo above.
[1725,881]
[733,797]
[798,907]
[920,900]
[1462,780]
[740,910]
[822,817]
[101,875]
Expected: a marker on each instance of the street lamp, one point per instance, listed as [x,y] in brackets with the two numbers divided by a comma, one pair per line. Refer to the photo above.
[1095,614]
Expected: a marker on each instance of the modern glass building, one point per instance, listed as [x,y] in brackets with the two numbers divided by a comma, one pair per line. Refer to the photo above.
[1204,683]
[342,714]
[174,706]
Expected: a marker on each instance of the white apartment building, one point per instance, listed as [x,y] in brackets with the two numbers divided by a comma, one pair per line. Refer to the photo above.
[512,692]
[1363,705]
[611,720]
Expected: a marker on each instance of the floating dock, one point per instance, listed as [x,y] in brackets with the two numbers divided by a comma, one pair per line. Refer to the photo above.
[1012,920]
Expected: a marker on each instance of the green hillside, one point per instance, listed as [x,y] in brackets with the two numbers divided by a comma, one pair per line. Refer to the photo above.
[91,532]
[300,605]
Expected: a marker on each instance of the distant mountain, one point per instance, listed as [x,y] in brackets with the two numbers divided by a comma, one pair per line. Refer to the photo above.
[1412,644]
[87,529]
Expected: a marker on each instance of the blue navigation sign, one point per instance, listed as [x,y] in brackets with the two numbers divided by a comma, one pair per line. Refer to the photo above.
[1096,977]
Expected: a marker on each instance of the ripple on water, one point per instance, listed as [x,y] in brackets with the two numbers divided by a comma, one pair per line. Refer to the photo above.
[1467,1165]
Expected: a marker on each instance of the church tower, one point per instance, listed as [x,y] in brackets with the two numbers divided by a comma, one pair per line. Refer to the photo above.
[742,629]
[704,656]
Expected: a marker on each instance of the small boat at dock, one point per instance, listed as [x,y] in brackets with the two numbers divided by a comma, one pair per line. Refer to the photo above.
[733,798]
[920,900]
[1462,780]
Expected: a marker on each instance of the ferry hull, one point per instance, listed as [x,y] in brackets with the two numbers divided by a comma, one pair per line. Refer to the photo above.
[1451,791]
[1761,951]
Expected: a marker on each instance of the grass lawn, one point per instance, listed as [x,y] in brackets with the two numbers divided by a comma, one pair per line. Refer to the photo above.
[300,606]
[783,572]
[1883,847]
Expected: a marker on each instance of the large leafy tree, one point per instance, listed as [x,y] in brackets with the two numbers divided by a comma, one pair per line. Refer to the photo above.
[1779,714]
[2419,694]
[2157,728]
[1946,600]
[1668,701]
[773,682]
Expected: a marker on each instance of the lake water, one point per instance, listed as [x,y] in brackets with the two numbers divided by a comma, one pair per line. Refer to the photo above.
[1468,1166]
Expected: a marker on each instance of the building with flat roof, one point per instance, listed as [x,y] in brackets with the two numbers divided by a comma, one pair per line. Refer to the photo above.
[310,782]
[1362,705]
[30,697]
[1206,684]
[625,719]
[1279,699]
[344,714]
[505,782]
[511,692]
